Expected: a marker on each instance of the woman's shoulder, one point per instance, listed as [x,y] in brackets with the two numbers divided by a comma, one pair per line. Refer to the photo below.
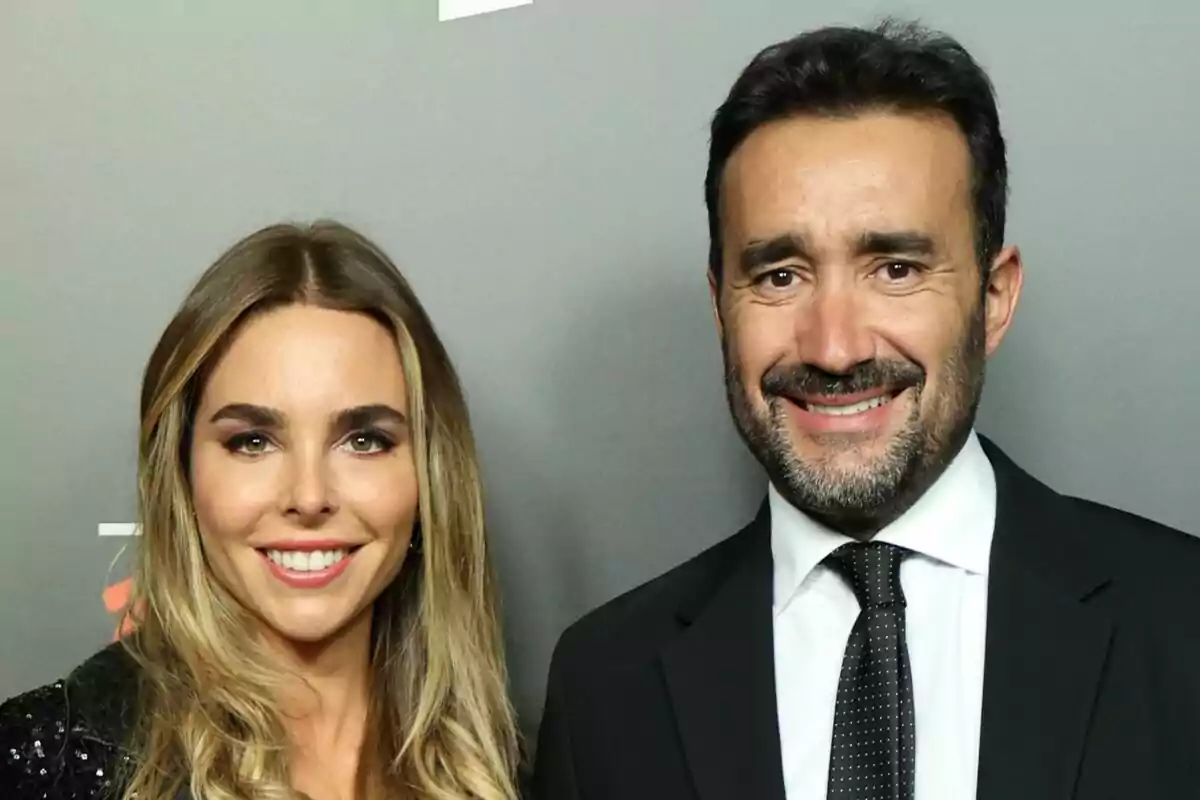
[63,739]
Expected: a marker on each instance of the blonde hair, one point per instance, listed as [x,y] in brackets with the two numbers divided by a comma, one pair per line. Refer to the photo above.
[440,726]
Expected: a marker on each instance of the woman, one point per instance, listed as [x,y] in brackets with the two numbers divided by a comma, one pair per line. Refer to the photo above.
[315,616]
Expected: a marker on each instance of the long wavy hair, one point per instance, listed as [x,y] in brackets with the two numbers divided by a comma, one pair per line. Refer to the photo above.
[440,725]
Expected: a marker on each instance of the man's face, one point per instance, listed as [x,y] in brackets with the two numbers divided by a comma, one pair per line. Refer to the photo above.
[854,316]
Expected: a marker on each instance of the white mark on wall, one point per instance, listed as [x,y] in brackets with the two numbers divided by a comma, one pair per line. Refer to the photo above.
[118,529]
[457,9]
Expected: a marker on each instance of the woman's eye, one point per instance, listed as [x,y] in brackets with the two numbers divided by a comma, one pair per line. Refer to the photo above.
[251,444]
[367,443]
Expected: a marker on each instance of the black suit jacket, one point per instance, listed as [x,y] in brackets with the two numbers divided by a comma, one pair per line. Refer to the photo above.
[1091,673]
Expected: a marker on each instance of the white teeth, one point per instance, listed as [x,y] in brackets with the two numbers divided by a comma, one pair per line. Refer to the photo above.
[306,560]
[855,408]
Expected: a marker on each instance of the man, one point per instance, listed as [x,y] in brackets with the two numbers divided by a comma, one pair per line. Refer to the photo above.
[909,614]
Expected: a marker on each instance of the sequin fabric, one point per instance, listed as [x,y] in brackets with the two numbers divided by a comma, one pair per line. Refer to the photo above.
[62,741]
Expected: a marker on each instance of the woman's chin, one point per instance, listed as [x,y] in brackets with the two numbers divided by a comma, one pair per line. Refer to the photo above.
[309,628]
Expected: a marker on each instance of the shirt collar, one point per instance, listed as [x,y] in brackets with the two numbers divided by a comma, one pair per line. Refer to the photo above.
[952,522]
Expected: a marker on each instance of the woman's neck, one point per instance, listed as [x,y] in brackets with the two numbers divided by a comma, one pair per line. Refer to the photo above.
[326,704]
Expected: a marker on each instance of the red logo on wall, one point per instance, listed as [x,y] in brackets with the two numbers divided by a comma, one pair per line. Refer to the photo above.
[116,601]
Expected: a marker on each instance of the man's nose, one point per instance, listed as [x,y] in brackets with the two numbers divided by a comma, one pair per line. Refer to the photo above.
[832,333]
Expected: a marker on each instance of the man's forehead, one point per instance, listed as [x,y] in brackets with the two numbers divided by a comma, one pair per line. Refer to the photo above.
[847,177]
[821,136]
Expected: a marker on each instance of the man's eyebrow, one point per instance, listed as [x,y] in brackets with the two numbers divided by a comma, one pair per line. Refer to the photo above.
[765,252]
[911,243]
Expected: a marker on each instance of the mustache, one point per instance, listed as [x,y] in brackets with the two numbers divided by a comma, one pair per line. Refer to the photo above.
[794,380]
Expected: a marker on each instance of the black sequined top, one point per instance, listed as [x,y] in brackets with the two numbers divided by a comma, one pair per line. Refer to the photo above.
[64,741]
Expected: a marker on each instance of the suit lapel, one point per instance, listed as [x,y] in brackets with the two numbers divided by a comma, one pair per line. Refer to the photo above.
[720,675]
[1046,647]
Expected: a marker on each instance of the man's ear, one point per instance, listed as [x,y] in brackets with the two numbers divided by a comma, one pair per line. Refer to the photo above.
[714,295]
[1001,294]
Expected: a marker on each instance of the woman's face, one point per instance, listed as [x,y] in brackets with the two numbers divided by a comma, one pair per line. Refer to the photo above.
[302,469]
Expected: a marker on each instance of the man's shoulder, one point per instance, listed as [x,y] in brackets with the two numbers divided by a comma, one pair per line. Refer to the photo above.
[1137,551]
[1140,547]
[639,621]
[1146,530]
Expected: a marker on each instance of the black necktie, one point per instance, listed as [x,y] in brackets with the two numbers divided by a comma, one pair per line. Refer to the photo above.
[873,754]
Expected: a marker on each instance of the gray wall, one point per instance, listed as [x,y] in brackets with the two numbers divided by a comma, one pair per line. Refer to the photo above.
[538,174]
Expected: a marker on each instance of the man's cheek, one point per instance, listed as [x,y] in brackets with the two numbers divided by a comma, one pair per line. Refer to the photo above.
[758,352]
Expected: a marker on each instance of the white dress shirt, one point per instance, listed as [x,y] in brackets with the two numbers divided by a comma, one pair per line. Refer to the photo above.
[949,529]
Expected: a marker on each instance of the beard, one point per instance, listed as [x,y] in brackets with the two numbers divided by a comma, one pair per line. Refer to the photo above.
[862,497]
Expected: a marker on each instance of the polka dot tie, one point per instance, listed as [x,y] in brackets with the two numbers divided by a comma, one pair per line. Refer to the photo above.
[873,754]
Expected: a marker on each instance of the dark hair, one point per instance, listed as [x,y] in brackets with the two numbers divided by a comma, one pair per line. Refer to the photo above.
[838,71]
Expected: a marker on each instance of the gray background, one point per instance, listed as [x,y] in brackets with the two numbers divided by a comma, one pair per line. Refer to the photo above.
[537,172]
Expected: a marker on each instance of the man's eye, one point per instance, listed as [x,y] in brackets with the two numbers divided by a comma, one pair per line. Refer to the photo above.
[777,278]
[898,270]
